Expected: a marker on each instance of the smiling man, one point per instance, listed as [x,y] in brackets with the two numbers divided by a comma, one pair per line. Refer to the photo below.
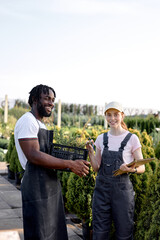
[43,210]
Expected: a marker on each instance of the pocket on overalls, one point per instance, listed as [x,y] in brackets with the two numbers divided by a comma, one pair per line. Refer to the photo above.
[108,169]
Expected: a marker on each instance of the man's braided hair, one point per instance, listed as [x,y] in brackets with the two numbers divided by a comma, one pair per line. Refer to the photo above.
[35,93]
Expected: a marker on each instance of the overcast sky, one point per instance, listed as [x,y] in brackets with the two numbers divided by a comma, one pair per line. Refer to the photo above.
[89,51]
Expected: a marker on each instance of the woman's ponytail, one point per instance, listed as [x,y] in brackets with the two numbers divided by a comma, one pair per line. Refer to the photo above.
[124,126]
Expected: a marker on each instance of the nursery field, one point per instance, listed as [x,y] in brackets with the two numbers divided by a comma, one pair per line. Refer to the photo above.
[77,192]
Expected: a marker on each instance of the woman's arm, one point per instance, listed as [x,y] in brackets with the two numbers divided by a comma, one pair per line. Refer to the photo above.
[137,154]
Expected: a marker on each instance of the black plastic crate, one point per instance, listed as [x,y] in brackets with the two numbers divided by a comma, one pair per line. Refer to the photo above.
[68,152]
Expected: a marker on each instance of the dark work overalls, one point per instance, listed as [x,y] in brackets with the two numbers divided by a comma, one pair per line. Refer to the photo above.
[113,197]
[43,209]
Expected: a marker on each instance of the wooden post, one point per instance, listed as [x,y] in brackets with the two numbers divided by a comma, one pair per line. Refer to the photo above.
[6,109]
[59,114]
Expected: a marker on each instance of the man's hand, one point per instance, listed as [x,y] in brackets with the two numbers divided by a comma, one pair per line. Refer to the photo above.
[80,167]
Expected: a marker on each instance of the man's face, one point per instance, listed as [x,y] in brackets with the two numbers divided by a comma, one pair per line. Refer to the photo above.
[46,104]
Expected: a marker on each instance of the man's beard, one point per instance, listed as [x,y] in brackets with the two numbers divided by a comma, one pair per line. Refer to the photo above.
[42,112]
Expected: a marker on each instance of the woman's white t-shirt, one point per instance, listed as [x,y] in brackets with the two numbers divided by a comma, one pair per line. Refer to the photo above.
[26,127]
[114,143]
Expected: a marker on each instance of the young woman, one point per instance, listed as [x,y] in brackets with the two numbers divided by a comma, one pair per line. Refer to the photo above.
[113,197]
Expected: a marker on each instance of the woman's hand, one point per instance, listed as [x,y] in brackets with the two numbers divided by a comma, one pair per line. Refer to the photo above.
[95,157]
[90,146]
[126,169]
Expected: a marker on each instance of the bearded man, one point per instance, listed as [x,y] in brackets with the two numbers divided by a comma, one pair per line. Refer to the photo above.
[42,204]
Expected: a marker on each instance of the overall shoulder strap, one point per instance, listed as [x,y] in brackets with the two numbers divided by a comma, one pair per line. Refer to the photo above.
[105,139]
[124,142]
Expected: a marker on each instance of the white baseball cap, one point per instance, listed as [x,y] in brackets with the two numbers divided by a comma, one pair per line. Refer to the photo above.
[114,105]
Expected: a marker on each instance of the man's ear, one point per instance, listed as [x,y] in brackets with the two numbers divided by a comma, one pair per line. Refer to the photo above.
[34,99]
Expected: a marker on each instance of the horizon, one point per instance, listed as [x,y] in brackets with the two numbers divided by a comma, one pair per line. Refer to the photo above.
[129,111]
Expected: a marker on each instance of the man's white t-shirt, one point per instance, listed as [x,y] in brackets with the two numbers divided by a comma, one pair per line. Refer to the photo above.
[114,143]
[26,127]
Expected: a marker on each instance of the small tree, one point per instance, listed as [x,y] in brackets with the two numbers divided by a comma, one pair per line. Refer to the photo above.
[79,195]
[10,148]
[157,151]
[12,159]
[141,183]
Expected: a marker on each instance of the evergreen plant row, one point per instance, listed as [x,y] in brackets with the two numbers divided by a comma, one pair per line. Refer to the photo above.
[78,192]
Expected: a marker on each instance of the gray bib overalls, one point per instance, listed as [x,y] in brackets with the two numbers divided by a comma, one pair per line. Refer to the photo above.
[113,197]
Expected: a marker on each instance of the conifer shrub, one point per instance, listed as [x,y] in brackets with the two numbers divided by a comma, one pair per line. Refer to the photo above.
[11,157]
[4,143]
[154,230]
[157,150]
[10,148]
[2,155]
[148,224]
[142,182]
[79,195]
[13,165]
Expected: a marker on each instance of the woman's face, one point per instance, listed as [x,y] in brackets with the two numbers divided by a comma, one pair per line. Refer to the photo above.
[114,118]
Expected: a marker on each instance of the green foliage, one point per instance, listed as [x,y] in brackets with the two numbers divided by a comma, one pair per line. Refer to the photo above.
[76,116]
[65,177]
[11,157]
[17,112]
[147,124]
[4,143]
[78,191]
[141,183]
[77,109]
[13,166]
[70,138]
[148,225]
[79,195]
[154,230]
[2,155]
[157,151]
[70,120]
[7,128]
[10,148]
[21,104]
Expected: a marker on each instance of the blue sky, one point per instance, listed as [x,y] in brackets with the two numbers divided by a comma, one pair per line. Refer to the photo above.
[89,51]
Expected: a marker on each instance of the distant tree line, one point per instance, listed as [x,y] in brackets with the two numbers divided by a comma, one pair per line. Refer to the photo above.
[77,109]
[77,115]
[149,123]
